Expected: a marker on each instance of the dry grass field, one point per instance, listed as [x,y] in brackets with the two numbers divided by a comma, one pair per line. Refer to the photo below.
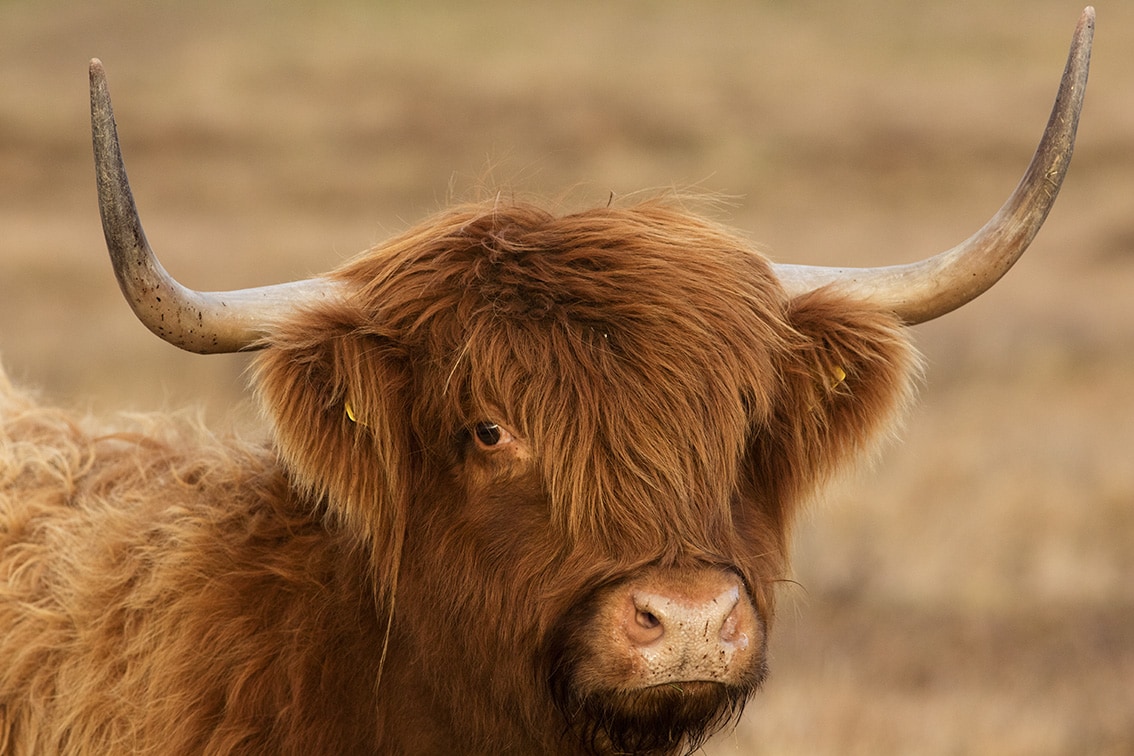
[973,592]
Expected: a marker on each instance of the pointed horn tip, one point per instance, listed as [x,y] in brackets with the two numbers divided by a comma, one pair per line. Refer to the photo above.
[1086,23]
[97,75]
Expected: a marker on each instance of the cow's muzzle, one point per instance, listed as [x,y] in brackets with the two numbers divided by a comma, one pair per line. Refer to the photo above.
[669,626]
[659,661]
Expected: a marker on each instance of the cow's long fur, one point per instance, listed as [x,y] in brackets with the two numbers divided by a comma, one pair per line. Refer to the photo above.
[377,584]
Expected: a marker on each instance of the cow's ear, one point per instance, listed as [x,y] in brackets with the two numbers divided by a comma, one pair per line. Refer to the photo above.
[844,384]
[336,396]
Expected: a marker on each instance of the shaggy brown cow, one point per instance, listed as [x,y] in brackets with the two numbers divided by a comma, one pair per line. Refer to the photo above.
[529,490]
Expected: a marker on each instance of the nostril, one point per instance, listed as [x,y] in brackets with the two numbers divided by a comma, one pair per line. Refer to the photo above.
[643,624]
[647,620]
[732,630]
[728,621]
[728,627]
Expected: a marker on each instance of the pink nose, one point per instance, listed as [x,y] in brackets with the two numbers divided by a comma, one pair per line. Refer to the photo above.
[689,625]
[658,614]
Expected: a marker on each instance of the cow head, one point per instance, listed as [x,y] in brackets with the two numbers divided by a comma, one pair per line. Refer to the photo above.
[572,446]
[592,431]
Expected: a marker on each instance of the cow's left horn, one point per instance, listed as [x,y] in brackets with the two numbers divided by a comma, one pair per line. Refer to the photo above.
[924,290]
[198,321]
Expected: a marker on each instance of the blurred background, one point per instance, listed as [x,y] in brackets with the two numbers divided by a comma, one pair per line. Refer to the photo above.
[973,592]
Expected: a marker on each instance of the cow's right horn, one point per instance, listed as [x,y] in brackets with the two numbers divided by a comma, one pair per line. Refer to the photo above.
[924,290]
[198,321]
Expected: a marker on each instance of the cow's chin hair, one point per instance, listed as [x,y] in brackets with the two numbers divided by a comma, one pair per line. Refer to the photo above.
[672,718]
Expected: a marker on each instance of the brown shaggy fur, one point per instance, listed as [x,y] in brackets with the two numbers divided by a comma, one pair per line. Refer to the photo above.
[384,584]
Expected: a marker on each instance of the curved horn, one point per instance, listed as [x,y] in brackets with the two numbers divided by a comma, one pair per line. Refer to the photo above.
[203,322]
[924,290]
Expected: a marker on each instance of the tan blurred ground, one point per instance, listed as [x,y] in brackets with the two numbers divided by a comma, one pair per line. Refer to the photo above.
[975,592]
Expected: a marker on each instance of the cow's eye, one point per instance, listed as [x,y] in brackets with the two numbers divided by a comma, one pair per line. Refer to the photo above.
[490,434]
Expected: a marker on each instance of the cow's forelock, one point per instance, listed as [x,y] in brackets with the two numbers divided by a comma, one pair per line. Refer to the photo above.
[632,363]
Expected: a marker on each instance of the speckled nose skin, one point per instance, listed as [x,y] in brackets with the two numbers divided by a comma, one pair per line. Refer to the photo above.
[669,626]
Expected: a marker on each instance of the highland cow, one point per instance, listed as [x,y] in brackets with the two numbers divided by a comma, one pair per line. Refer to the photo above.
[528,490]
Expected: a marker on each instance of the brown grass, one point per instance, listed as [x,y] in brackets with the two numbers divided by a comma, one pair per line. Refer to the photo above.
[975,593]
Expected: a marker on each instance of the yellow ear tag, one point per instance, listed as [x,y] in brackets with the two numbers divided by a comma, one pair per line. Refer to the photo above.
[839,375]
[350,412]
